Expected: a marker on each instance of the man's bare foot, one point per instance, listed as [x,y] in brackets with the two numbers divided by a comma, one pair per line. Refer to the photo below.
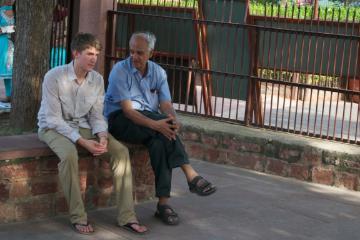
[83,228]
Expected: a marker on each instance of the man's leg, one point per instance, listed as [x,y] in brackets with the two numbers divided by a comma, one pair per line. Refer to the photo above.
[68,172]
[123,187]
[125,130]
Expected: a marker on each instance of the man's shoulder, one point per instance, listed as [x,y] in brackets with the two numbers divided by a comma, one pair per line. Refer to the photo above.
[157,68]
[121,68]
[96,74]
[56,72]
[122,65]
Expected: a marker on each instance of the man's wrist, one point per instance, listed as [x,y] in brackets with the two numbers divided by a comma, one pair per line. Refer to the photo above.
[102,135]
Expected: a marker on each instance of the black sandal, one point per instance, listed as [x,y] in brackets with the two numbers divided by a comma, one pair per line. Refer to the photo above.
[201,186]
[167,214]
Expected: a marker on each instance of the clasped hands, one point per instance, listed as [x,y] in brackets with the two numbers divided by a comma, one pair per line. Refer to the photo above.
[168,127]
[95,147]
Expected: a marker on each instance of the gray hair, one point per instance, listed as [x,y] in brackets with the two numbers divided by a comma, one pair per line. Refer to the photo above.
[147,36]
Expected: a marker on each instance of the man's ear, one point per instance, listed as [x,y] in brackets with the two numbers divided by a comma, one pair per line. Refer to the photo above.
[75,54]
[151,53]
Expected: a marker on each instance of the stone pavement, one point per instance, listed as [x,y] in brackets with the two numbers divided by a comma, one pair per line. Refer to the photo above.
[247,206]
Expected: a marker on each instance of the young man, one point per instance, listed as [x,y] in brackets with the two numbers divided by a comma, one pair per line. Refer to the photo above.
[138,91]
[71,115]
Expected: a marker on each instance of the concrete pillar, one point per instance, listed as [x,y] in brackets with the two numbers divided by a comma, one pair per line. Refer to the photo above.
[92,19]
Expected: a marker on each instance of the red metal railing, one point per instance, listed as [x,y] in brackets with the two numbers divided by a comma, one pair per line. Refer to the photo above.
[60,34]
[275,71]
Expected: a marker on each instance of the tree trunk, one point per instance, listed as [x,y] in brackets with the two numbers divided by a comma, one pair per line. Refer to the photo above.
[31,60]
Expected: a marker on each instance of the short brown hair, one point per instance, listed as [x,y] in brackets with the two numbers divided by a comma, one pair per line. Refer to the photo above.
[83,41]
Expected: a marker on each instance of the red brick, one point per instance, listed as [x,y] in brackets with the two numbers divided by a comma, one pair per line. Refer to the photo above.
[209,140]
[52,165]
[347,180]
[249,147]
[22,170]
[90,180]
[83,181]
[276,166]
[190,136]
[323,175]
[105,164]
[7,212]
[144,193]
[61,205]
[238,145]
[311,157]
[215,155]
[248,161]
[298,171]
[20,189]
[35,208]
[104,197]
[38,188]
[4,191]
[289,154]
[86,164]
[195,150]
[105,182]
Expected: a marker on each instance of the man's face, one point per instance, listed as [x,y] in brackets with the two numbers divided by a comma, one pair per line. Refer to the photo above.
[87,58]
[139,53]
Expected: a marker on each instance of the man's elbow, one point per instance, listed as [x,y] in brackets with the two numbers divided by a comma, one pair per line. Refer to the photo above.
[128,112]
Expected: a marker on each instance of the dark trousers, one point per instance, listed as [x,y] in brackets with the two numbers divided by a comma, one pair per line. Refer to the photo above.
[164,154]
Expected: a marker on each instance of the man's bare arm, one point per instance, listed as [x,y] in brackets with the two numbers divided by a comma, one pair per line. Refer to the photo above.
[163,126]
[167,108]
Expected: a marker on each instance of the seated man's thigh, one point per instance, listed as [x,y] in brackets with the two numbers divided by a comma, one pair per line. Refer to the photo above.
[59,144]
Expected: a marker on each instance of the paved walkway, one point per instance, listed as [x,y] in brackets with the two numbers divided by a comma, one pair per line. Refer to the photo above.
[247,206]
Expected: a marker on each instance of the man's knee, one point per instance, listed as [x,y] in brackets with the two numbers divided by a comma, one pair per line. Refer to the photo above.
[156,145]
[117,150]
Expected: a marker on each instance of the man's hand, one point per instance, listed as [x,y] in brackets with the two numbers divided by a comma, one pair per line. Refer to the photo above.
[167,127]
[103,142]
[96,148]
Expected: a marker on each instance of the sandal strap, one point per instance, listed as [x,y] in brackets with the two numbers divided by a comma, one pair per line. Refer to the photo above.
[162,210]
[194,183]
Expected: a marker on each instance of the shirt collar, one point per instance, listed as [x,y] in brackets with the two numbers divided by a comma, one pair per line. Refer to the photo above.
[72,76]
[134,70]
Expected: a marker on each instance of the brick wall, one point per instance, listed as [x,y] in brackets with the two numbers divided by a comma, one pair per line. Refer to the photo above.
[29,187]
[256,151]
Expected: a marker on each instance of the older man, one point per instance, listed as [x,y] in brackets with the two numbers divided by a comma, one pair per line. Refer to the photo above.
[139,110]
[71,114]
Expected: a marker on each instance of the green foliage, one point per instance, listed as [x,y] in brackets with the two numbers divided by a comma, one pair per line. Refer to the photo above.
[330,13]
[165,3]
[313,79]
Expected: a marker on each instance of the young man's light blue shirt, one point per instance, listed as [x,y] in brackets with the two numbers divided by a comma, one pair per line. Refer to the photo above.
[127,83]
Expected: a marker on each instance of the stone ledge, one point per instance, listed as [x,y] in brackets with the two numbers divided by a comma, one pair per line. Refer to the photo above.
[22,146]
[284,154]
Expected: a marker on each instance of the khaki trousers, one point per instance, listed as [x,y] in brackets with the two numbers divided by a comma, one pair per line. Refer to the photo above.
[66,150]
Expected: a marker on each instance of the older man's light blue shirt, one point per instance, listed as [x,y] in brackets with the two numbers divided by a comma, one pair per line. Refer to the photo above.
[127,83]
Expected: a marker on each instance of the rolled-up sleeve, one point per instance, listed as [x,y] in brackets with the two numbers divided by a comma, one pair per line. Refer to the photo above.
[53,111]
[119,87]
[164,92]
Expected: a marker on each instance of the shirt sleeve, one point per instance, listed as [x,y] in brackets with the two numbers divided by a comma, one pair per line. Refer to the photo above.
[53,111]
[118,88]
[96,117]
[164,92]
